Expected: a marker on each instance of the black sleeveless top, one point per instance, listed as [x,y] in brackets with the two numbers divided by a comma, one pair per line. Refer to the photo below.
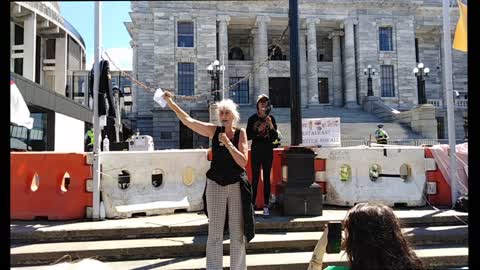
[223,168]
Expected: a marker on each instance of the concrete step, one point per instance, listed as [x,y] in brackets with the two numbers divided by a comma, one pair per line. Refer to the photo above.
[435,257]
[356,124]
[191,246]
[191,224]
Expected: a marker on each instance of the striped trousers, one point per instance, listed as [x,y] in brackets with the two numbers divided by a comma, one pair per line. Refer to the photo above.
[217,199]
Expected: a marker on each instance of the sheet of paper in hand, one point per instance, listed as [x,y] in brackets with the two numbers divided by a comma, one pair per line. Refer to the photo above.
[158,97]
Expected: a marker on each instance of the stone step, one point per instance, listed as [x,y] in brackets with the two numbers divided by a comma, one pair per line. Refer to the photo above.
[192,224]
[435,257]
[356,124]
[191,246]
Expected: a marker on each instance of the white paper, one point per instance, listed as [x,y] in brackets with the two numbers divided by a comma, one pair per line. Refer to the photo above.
[158,97]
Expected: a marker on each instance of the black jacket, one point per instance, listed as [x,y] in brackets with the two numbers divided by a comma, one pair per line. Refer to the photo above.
[260,134]
[106,105]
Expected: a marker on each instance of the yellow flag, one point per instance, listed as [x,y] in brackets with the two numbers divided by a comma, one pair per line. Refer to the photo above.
[460,41]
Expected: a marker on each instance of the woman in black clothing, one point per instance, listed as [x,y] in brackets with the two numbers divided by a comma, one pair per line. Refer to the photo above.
[262,130]
[226,182]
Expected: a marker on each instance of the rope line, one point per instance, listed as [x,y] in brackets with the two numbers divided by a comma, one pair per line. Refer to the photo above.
[230,87]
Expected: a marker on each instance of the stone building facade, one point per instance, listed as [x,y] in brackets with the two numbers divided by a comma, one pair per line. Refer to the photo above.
[174,42]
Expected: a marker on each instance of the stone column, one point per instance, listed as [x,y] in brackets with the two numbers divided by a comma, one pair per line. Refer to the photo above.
[29,46]
[223,50]
[134,46]
[337,68]
[61,65]
[260,54]
[312,68]
[349,66]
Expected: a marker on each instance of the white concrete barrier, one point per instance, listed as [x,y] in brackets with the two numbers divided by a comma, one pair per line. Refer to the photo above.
[153,182]
[361,187]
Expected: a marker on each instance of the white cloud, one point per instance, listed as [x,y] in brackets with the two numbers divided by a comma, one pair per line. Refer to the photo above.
[122,57]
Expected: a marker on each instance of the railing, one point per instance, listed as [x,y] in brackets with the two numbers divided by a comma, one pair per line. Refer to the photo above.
[460,103]
[438,103]
[412,142]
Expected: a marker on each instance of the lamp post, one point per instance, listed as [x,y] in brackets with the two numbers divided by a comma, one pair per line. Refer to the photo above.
[370,72]
[214,69]
[420,71]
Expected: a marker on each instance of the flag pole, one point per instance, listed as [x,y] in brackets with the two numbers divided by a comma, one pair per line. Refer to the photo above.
[448,90]
[96,124]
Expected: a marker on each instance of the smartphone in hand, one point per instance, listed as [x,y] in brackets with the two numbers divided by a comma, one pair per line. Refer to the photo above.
[334,237]
[222,130]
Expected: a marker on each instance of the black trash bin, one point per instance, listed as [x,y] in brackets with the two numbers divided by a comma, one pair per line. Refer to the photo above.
[302,197]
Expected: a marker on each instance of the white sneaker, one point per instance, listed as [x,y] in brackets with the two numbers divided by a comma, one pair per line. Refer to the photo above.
[266,212]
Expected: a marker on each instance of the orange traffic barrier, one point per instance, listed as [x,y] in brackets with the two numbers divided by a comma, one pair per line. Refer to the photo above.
[48,185]
[443,194]
[320,177]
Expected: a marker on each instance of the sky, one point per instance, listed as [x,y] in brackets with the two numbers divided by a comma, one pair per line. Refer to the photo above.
[115,37]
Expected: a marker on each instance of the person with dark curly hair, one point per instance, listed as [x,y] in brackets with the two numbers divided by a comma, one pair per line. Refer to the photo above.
[373,240]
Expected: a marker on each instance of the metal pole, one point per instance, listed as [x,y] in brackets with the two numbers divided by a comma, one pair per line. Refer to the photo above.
[96,124]
[223,75]
[448,88]
[424,95]
[370,90]
[296,113]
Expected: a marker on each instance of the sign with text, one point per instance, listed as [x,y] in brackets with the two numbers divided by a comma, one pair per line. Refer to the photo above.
[321,131]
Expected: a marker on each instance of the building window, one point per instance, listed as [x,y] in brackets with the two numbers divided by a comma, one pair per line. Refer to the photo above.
[239,92]
[275,52]
[388,87]
[186,79]
[185,34]
[18,66]
[236,54]
[18,35]
[323,90]
[74,55]
[440,128]
[34,139]
[165,135]
[50,49]
[385,37]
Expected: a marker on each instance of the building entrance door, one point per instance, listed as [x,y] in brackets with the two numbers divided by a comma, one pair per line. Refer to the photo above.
[279,92]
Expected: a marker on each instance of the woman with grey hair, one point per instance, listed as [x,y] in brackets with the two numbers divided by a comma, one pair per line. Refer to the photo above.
[227,183]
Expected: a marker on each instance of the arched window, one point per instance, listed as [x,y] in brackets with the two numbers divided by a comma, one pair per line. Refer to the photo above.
[277,54]
[236,54]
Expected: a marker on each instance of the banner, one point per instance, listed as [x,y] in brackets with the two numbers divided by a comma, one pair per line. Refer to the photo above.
[321,131]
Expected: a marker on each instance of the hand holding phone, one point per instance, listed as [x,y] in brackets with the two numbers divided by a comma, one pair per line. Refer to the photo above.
[334,237]
[222,130]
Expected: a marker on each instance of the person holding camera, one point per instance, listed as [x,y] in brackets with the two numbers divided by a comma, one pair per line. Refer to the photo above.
[227,183]
[262,130]
[373,240]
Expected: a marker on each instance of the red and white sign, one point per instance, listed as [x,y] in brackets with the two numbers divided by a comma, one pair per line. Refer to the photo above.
[321,131]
